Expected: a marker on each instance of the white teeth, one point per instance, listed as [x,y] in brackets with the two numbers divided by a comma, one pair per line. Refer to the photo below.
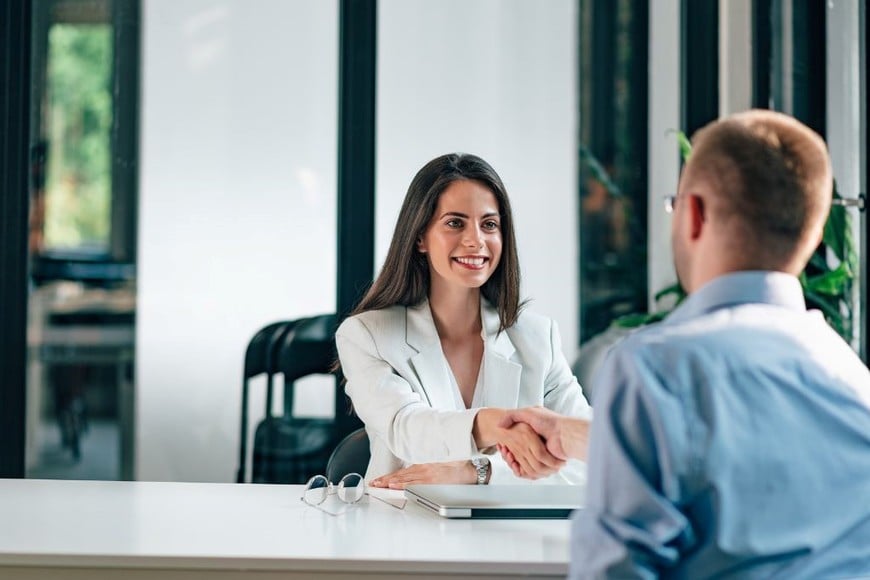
[471,261]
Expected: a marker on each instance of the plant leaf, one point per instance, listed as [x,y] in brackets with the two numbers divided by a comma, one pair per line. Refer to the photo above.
[684,143]
[676,288]
[636,320]
[823,303]
[838,234]
[832,283]
[835,228]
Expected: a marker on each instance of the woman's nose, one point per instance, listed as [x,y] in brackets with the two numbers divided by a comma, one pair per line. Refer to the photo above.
[473,237]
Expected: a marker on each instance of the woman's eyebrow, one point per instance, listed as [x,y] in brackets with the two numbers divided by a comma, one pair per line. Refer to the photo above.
[462,215]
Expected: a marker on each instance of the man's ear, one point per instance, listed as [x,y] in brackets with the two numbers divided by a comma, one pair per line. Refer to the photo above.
[696,214]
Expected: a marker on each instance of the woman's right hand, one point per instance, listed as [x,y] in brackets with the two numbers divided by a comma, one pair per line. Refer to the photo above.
[528,449]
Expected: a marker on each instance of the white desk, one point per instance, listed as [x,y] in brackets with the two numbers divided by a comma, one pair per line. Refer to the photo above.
[86,529]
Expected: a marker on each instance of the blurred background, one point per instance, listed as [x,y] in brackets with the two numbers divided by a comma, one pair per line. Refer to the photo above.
[197,169]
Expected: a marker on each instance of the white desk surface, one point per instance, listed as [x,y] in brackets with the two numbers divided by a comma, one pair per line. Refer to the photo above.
[207,530]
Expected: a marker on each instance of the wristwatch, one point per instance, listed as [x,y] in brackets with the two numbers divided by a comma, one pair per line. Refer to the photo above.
[481,464]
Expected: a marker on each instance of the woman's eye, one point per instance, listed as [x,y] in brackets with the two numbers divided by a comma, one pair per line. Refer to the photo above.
[454,223]
[490,225]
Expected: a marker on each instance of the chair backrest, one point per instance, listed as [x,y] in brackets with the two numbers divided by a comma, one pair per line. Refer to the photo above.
[259,358]
[290,449]
[309,349]
[286,448]
[257,354]
[351,455]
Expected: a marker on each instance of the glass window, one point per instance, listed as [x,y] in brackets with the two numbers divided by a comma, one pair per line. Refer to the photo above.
[613,162]
[82,302]
[236,213]
[78,123]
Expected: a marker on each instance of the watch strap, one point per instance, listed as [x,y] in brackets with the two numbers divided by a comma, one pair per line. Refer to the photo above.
[482,466]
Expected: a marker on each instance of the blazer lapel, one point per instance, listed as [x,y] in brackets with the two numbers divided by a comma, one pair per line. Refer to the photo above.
[429,363]
[501,375]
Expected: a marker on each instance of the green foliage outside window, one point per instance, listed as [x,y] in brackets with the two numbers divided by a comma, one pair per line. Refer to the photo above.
[78,130]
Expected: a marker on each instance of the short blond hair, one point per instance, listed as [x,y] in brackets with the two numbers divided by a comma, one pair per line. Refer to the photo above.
[772,174]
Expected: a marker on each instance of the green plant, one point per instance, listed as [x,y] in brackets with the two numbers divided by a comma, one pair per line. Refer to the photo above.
[830,288]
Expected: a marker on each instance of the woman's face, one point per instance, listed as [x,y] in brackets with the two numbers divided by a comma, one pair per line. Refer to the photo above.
[463,240]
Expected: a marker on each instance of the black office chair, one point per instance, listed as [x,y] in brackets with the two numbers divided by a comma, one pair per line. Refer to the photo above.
[290,449]
[259,358]
[308,350]
[351,455]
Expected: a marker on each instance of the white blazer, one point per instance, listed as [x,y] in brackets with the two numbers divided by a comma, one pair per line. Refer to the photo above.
[399,382]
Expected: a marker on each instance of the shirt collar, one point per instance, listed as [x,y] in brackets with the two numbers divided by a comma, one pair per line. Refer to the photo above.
[749,287]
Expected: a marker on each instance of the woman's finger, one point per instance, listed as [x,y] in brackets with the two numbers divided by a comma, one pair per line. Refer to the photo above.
[538,457]
[530,461]
[521,446]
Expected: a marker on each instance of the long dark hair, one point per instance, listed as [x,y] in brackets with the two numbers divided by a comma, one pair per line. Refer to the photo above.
[404,278]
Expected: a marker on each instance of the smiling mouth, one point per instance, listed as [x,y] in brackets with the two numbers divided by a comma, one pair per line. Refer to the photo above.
[475,262]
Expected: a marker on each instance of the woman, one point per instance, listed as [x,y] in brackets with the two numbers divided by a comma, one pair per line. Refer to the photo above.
[438,348]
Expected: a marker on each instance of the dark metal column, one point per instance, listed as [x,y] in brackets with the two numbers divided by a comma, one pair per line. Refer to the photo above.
[356,151]
[809,63]
[356,168]
[761,53]
[700,63]
[15,32]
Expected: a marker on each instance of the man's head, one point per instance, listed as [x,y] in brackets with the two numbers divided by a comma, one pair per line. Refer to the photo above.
[754,195]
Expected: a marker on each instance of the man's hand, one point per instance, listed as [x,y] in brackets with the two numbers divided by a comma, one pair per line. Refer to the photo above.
[446,472]
[529,454]
[565,437]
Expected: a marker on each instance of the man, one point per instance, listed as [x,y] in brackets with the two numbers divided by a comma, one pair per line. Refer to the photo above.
[732,440]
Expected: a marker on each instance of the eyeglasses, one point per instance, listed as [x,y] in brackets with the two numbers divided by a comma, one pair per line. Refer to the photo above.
[350,490]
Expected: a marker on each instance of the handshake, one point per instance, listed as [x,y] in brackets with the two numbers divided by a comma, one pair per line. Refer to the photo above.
[536,442]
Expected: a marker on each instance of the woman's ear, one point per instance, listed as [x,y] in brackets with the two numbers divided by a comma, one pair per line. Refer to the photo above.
[421,247]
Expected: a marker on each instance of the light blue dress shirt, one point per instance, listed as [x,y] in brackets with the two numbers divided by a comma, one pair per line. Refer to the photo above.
[731,440]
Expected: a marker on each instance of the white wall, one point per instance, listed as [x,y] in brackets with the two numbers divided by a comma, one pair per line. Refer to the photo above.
[664,118]
[498,79]
[237,210]
[735,56]
[844,100]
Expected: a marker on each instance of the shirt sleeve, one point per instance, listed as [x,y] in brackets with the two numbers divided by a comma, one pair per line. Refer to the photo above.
[631,526]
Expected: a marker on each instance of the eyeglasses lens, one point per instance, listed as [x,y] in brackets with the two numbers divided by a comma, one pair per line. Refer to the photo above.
[316,490]
[351,488]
